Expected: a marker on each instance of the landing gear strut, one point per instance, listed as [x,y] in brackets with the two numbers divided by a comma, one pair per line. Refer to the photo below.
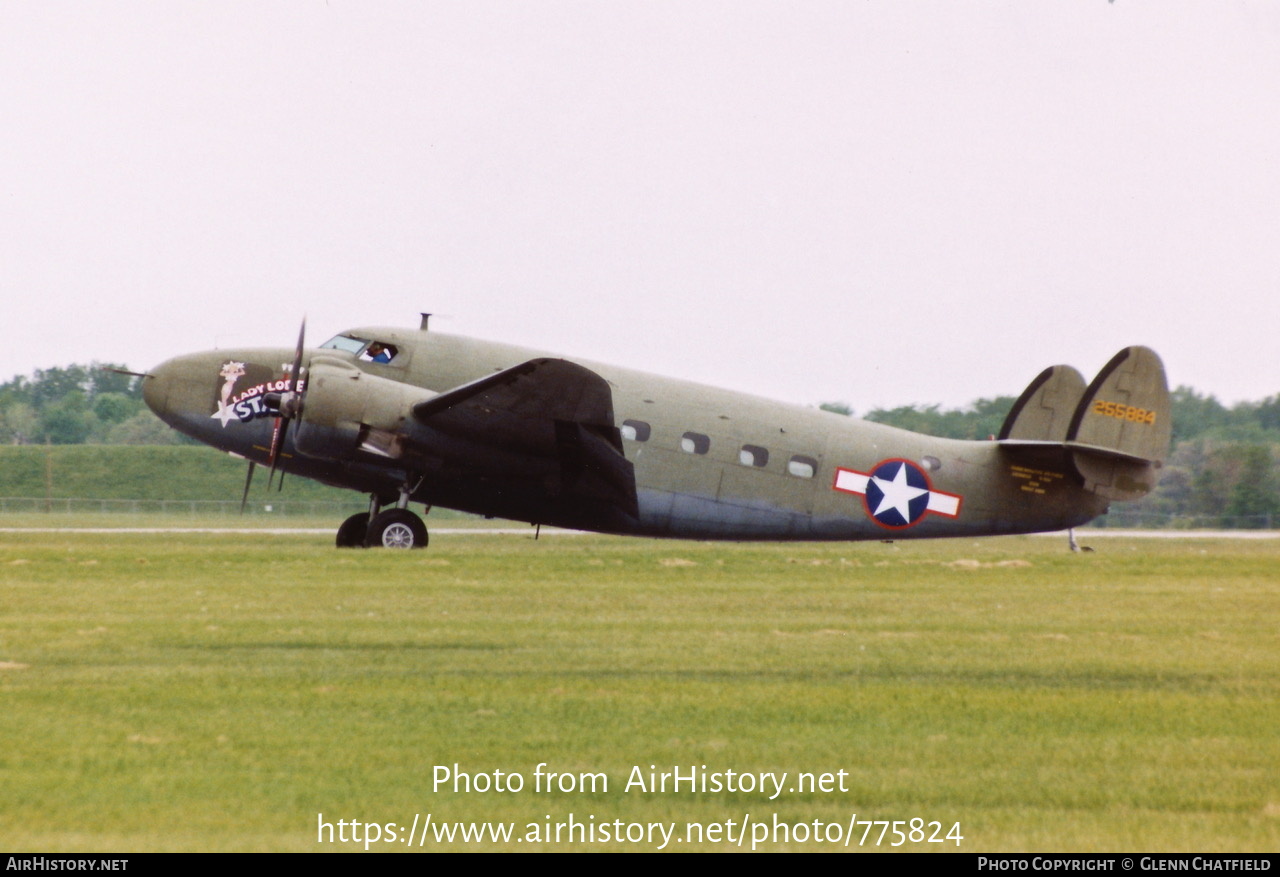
[394,528]
[1073,544]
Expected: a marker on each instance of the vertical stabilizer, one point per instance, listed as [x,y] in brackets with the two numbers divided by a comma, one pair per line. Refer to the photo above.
[1120,432]
[1044,410]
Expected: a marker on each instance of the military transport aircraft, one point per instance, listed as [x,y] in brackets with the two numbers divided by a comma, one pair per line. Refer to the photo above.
[408,415]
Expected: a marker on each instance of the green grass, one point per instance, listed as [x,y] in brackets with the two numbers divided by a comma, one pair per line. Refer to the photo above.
[118,485]
[218,692]
[130,472]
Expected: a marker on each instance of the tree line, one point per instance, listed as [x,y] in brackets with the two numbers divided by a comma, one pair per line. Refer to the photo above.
[79,404]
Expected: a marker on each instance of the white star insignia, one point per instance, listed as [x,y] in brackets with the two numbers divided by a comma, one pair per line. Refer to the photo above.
[897,494]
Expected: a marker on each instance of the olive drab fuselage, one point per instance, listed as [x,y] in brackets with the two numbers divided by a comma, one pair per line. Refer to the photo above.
[509,432]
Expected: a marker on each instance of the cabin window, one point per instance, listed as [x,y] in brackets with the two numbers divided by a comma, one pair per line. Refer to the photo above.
[753,455]
[802,466]
[348,343]
[695,443]
[635,430]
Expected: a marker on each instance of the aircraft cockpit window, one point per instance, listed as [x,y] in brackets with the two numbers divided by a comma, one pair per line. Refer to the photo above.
[695,443]
[380,352]
[802,466]
[635,430]
[345,342]
[754,455]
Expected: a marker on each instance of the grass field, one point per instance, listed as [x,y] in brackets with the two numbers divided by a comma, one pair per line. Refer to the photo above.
[219,692]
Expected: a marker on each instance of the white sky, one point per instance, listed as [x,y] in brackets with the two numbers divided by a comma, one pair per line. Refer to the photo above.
[878,202]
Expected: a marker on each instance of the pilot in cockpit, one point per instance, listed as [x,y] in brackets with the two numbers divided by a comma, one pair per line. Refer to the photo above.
[379,352]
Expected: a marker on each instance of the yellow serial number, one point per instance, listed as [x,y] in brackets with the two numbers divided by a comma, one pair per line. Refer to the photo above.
[1124,412]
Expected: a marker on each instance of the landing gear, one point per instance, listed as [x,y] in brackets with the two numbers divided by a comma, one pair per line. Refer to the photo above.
[352,532]
[1073,544]
[396,528]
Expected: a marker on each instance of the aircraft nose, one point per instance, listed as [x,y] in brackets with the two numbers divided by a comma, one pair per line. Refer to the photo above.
[179,390]
[193,393]
[155,389]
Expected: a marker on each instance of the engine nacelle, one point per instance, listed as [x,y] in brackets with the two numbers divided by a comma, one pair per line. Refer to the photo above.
[344,408]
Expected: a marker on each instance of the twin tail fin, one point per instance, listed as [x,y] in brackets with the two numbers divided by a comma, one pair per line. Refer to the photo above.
[1115,432]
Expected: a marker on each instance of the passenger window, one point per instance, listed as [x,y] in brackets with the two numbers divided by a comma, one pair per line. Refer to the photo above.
[635,430]
[802,466]
[695,443]
[753,455]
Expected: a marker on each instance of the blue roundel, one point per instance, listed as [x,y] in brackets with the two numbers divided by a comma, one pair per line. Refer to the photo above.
[897,493]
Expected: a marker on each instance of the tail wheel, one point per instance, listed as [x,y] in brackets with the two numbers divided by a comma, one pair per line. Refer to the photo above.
[397,528]
[353,530]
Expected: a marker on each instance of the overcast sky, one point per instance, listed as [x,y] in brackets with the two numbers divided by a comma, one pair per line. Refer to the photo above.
[882,203]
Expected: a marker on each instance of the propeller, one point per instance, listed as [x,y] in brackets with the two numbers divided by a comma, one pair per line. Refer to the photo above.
[289,406]
[248,479]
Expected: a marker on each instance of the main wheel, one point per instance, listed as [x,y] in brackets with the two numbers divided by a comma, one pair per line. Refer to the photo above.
[397,528]
[352,532]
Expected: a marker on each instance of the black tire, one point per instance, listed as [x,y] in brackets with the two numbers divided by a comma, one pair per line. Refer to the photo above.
[353,530]
[397,528]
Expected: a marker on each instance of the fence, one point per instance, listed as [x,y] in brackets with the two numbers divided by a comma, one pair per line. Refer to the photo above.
[1131,519]
[228,507]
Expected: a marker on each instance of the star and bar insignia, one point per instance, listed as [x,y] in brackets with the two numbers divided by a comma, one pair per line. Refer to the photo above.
[897,493]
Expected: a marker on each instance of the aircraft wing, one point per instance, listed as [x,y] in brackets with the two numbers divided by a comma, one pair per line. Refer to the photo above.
[545,411]
[540,389]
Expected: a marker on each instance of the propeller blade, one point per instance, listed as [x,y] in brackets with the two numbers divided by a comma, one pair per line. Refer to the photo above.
[248,479]
[284,430]
[277,442]
[290,407]
[297,358]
